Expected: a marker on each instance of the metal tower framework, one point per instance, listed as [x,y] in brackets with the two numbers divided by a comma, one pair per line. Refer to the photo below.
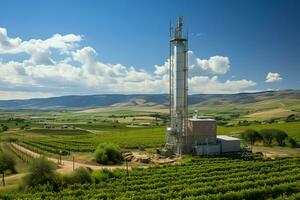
[178,91]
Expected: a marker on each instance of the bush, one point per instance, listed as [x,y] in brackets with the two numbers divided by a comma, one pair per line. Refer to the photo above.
[4,127]
[293,142]
[267,136]
[280,136]
[82,175]
[41,173]
[251,136]
[106,174]
[291,118]
[107,153]
[6,163]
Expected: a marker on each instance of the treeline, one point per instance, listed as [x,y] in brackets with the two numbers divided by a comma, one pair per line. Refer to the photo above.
[268,137]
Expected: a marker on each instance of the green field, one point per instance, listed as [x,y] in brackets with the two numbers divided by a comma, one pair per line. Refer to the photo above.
[238,177]
[89,136]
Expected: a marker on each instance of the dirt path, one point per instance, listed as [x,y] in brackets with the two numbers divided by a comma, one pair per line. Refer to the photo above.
[67,166]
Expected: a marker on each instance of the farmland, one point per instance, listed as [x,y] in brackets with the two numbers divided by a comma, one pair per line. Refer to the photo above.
[86,131]
[239,177]
[76,134]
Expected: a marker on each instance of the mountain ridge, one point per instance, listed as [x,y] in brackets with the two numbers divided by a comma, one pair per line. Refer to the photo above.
[146,100]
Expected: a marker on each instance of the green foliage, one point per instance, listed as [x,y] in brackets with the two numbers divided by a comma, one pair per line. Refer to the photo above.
[293,142]
[82,175]
[291,118]
[102,175]
[280,136]
[223,177]
[251,136]
[41,172]
[7,163]
[4,127]
[267,136]
[107,153]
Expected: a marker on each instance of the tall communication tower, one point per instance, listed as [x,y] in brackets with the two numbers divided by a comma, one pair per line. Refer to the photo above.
[177,129]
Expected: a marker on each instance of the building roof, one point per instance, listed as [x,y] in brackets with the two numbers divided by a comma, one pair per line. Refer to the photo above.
[227,138]
[201,120]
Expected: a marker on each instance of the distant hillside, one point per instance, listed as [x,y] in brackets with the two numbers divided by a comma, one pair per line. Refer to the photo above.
[267,99]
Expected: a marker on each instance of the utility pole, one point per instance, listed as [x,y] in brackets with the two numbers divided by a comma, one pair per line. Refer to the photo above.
[127,166]
[73,163]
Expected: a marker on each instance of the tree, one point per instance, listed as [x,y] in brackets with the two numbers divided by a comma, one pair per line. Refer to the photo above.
[280,136]
[6,163]
[291,118]
[108,153]
[4,127]
[293,142]
[251,136]
[267,136]
[41,172]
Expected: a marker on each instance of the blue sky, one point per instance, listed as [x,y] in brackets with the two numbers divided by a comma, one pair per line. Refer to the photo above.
[113,46]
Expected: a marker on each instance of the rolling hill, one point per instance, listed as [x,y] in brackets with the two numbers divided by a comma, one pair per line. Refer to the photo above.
[281,98]
[281,103]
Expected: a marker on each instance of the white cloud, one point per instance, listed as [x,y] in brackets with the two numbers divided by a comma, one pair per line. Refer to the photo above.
[205,84]
[214,64]
[6,95]
[164,69]
[80,71]
[273,77]
[7,43]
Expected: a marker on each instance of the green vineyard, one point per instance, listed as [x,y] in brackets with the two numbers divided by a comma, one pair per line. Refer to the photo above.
[231,177]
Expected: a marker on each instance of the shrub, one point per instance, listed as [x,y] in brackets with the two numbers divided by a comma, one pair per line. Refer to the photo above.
[108,153]
[6,163]
[280,136]
[82,175]
[291,118]
[105,174]
[251,136]
[4,127]
[293,142]
[267,136]
[41,172]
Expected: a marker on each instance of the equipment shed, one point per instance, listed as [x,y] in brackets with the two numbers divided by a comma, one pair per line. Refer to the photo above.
[229,144]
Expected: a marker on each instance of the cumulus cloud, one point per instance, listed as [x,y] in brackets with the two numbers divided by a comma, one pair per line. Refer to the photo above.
[205,84]
[214,64]
[80,71]
[163,69]
[7,43]
[273,77]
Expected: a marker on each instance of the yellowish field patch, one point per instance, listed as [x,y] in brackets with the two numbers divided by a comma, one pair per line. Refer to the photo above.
[159,109]
[273,113]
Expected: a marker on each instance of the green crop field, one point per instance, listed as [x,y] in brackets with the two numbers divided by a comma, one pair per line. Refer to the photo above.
[239,177]
[53,140]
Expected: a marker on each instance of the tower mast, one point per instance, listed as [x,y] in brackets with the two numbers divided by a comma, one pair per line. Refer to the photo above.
[177,130]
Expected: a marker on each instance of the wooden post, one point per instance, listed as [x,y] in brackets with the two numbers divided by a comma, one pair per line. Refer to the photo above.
[127,167]
[3,181]
[73,163]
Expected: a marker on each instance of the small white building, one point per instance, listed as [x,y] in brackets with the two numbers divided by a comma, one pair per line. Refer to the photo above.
[229,144]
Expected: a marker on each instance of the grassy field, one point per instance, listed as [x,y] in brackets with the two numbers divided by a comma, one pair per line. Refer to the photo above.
[90,135]
[292,128]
